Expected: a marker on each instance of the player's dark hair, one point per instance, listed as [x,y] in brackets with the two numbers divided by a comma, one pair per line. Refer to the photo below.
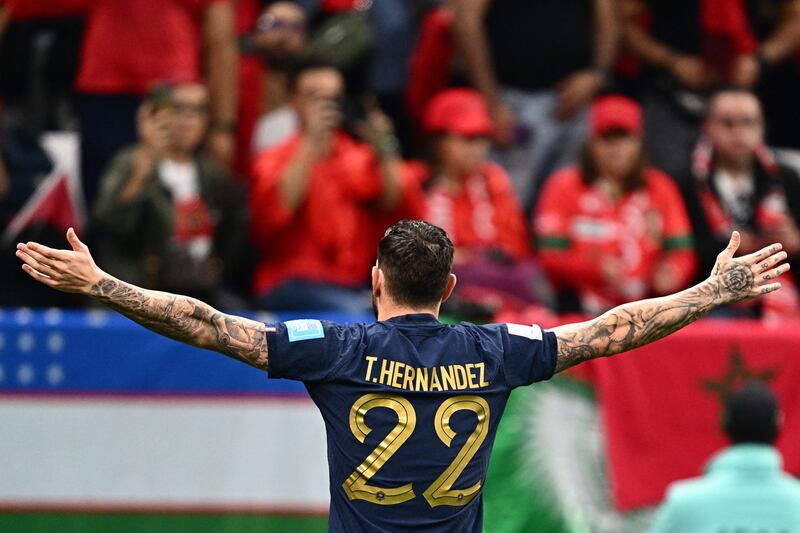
[416,259]
[303,65]
[751,414]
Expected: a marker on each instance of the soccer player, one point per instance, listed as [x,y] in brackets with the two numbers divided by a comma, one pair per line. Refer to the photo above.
[411,405]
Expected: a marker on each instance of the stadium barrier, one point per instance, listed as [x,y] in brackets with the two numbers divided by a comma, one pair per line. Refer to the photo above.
[107,425]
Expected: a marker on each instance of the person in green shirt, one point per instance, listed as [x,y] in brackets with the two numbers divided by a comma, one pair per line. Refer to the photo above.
[745,489]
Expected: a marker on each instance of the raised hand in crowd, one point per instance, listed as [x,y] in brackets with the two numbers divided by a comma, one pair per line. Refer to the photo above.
[505,123]
[746,71]
[690,71]
[322,116]
[153,127]
[377,130]
[575,91]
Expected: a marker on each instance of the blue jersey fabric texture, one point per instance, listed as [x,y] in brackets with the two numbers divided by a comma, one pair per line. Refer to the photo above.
[411,408]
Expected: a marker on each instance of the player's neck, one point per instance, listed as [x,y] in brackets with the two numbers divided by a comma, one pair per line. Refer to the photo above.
[385,312]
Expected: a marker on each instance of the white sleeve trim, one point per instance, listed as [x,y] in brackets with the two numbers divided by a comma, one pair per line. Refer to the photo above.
[532,332]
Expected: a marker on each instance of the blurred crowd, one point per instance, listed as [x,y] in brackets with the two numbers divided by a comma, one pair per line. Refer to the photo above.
[579,153]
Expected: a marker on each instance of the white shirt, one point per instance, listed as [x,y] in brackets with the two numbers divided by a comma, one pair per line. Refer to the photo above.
[274,128]
[183,181]
[735,194]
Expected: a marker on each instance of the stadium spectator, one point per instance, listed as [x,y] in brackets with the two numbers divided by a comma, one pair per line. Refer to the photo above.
[537,64]
[129,46]
[432,61]
[745,488]
[690,47]
[370,42]
[167,215]
[319,199]
[279,40]
[613,228]
[474,202]
[736,183]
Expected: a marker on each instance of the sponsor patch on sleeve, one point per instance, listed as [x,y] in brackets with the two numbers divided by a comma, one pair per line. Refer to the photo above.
[533,332]
[303,330]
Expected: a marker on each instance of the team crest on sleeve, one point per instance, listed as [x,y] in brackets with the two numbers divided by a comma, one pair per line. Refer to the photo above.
[529,332]
[303,330]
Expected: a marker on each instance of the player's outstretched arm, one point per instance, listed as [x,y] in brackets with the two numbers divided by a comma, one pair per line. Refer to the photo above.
[635,324]
[179,317]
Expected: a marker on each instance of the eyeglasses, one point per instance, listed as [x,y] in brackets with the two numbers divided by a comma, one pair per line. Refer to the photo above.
[733,122]
[185,108]
[267,23]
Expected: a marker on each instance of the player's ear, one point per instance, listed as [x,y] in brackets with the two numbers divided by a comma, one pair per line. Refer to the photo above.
[451,284]
[377,281]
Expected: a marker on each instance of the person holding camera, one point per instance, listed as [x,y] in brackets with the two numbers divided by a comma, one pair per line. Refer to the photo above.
[167,215]
[317,198]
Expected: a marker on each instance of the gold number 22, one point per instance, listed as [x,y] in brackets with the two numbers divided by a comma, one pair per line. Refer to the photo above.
[440,492]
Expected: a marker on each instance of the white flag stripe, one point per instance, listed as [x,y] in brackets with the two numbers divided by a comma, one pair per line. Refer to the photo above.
[159,454]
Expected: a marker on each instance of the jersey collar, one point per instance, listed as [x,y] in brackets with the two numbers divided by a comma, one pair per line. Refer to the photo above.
[414,318]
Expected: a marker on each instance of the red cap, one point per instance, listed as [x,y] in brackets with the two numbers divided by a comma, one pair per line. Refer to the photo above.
[460,111]
[616,112]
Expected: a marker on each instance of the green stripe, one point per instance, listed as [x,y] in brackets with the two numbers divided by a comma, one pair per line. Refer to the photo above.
[159,523]
[678,241]
[560,243]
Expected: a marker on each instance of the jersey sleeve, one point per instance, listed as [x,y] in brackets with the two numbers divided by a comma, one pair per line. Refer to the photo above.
[529,354]
[311,350]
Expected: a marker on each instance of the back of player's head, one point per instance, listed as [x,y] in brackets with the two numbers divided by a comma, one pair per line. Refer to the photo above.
[752,414]
[416,259]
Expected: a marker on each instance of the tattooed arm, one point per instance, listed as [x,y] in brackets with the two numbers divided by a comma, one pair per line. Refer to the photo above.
[635,324]
[178,317]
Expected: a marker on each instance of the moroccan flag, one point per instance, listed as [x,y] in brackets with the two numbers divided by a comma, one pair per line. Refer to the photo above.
[548,468]
[597,453]
[661,405]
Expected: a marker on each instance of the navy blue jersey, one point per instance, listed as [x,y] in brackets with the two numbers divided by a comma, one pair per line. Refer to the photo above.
[411,408]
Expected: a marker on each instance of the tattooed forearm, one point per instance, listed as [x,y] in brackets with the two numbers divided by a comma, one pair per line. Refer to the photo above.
[635,324]
[187,320]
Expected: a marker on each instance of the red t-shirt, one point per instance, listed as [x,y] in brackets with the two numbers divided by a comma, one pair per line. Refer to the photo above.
[130,45]
[579,228]
[482,214]
[333,235]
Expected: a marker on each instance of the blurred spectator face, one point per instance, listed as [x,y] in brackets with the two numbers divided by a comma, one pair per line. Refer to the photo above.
[735,126]
[280,33]
[315,86]
[189,118]
[460,119]
[616,153]
[461,154]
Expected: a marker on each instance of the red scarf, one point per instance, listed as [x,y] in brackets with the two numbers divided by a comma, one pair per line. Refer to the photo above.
[726,33]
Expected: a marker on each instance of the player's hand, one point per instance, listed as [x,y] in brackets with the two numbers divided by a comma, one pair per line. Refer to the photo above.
[743,278]
[66,270]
